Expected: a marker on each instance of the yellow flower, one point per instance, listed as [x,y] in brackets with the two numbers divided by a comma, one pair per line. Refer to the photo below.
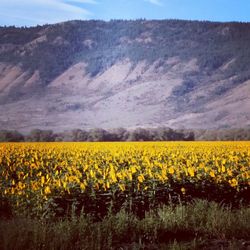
[42,180]
[47,190]
[191,171]
[183,190]
[140,178]
[233,182]
[212,174]
[171,170]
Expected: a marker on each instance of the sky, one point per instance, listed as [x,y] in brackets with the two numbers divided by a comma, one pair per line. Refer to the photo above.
[38,12]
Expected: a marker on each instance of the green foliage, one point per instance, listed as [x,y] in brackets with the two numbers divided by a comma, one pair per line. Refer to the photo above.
[10,136]
[240,134]
[198,225]
[101,44]
[38,135]
[19,36]
[138,134]
[98,134]
[121,134]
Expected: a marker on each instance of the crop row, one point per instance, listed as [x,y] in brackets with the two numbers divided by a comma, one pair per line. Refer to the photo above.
[43,178]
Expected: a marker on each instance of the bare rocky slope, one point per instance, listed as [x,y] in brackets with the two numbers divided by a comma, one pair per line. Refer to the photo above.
[86,74]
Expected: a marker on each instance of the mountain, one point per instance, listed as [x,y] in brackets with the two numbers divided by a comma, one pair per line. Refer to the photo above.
[86,74]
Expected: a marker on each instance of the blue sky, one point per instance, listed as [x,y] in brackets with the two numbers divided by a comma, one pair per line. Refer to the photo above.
[33,12]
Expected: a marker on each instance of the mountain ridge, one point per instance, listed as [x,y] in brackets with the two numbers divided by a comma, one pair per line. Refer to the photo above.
[87,74]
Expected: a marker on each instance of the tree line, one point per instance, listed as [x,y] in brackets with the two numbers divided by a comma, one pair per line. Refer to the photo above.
[98,134]
[122,134]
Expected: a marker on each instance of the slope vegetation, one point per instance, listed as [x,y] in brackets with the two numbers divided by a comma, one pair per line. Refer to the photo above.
[85,74]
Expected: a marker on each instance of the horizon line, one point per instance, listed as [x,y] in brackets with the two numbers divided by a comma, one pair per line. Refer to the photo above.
[124,20]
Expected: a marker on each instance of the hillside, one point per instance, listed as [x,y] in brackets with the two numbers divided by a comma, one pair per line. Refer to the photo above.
[86,74]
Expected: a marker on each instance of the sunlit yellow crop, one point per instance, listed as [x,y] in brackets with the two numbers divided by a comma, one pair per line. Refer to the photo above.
[34,172]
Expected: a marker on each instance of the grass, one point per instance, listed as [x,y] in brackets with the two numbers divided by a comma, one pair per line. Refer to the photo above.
[198,225]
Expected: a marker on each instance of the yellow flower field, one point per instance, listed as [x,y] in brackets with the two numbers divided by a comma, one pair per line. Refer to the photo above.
[33,173]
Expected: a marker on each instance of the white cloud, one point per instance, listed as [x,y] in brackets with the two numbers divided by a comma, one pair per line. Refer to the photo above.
[156,2]
[33,12]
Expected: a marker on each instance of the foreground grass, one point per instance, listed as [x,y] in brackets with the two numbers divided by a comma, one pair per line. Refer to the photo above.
[198,225]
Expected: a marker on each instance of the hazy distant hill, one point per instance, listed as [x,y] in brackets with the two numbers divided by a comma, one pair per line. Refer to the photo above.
[84,74]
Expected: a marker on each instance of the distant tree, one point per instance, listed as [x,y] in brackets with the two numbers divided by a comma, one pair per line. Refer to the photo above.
[139,134]
[119,134]
[190,136]
[165,134]
[97,134]
[79,135]
[11,136]
[38,135]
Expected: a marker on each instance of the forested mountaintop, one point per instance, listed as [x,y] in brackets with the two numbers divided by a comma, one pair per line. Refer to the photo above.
[87,74]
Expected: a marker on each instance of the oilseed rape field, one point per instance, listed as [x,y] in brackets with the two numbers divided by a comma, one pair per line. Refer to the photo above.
[51,178]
